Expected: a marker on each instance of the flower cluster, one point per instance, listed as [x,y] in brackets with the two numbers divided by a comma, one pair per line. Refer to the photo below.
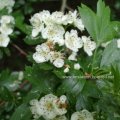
[7,4]
[6,28]
[53,28]
[49,107]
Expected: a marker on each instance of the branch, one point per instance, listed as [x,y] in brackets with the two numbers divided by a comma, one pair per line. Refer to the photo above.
[69,8]
[63,6]
[19,49]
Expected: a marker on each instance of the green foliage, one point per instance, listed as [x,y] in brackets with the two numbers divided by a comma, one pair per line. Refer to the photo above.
[98,25]
[111,52]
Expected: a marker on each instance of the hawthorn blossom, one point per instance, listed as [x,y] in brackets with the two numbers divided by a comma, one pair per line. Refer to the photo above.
[54,33]
[57,59]
[7,4]
[58,17]
[4,40]
[42,53]
[6,24]
[77,66]
[72,41]
[45,16]
[79,24]
[73,18]
[118,43]
[49,107]
[37,24]
[35,109]
[82,115]
[88,45]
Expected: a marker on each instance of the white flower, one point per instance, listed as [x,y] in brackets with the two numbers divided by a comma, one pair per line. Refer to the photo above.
[82,115]
[66,70]
[58,17]
[73,56]
[57,59]
[45,16]
[71,17]
[60,118]
[37,24]
[89,45]
[42,53]
[6,24]
[72,41]
[35,109]
[78,23]
[118,43]
[4,29]
[77,66]
[54,33]
[4,40]
[8,4]
[6,19]
[47,107]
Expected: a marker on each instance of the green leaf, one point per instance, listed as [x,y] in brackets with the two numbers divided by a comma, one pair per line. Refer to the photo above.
[33,41]
[22,113]
[110,55]
[89,20]
[72,84]
[91,90]
[116,81]
[19,22]
[98,25]
[5,94]
[39,78]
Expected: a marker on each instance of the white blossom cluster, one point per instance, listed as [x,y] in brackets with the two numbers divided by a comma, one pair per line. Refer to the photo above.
[50,107]
[7,4]
[6,28]
[53,29]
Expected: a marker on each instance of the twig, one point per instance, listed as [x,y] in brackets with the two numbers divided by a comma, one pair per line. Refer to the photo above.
[69,8]
[19,49]
[63,6]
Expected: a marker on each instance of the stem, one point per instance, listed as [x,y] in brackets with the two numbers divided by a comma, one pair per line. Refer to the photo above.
[93,60]
[19,49]
[63,6]
[69,8]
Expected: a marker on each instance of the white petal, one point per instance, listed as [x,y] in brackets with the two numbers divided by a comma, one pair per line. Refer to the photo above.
[78,23]
[73,56]
[66,70]
[77,66]
[118,43]
[35,32]
[4,40]
[39,58]
[58,63]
